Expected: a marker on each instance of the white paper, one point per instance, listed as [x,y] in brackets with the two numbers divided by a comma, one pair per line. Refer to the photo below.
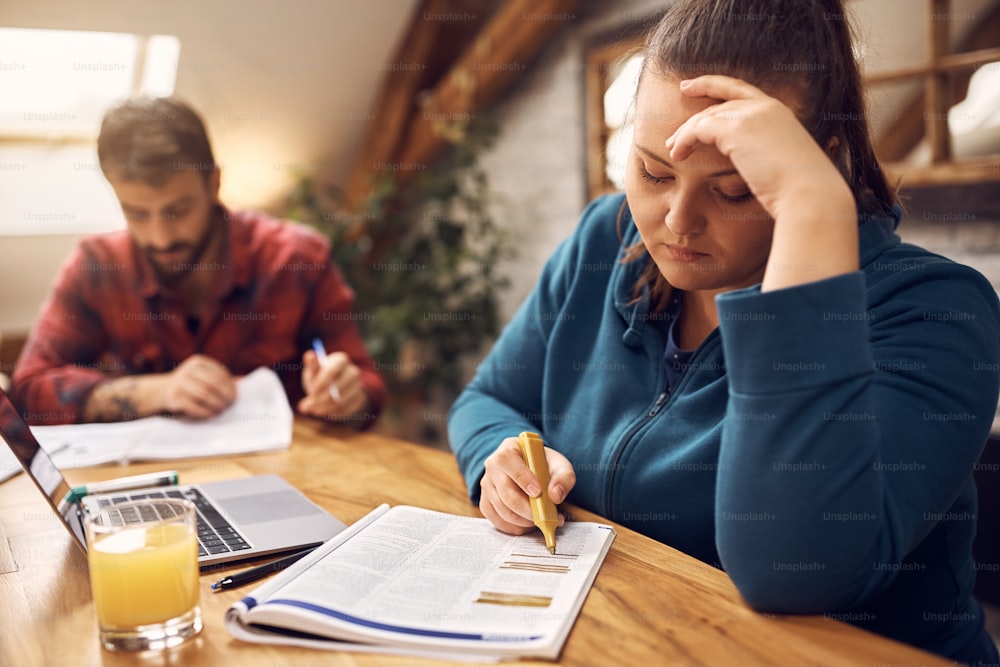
[260,419]
[431,584]
[9,464]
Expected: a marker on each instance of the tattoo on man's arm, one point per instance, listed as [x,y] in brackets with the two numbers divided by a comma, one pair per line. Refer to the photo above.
[114,401]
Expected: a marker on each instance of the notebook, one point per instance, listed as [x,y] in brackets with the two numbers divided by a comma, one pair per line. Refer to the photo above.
[238,519]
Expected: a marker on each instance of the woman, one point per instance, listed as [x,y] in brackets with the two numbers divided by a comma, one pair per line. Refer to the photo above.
[739,358]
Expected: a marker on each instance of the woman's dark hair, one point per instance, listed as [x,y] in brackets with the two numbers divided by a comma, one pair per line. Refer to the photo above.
[804,46]
[149,139]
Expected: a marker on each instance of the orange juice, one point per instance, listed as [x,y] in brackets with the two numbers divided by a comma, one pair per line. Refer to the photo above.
[144,575]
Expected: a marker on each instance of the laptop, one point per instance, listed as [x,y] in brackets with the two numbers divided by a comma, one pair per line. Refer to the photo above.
[237,519]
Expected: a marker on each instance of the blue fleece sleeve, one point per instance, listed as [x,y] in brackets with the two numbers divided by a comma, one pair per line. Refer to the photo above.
[505,396]
[501,398]
[851,427]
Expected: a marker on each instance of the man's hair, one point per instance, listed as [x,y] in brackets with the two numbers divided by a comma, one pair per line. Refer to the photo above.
[149,139]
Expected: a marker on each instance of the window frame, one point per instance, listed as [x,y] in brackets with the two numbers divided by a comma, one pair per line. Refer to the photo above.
[600,58]
[944,168]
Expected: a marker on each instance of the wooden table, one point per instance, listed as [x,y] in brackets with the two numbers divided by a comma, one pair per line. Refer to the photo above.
[651,605]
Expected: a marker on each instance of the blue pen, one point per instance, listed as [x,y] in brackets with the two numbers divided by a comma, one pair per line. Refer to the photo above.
[321,355]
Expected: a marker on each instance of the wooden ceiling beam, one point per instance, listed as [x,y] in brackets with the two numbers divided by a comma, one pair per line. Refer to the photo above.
[395,102]
[498,56]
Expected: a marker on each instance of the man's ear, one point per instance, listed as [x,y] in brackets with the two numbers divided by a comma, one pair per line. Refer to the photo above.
[214,181]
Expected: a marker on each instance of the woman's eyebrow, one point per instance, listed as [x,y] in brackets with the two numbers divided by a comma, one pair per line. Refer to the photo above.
[653,156]
[666,163]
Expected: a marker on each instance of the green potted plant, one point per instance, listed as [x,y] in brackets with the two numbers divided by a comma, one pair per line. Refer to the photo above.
[423,257]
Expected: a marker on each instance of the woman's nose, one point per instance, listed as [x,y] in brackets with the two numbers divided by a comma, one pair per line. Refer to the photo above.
[683,218]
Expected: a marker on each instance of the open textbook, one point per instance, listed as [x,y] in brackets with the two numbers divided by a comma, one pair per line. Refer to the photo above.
[413,581]
[260,419]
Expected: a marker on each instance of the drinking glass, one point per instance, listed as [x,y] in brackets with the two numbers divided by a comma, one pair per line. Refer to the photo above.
[143,558]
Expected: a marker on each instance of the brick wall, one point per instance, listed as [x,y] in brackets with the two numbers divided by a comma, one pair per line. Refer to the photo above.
[961,223]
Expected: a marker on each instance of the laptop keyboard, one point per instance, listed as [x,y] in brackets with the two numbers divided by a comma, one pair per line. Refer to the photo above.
[215,534]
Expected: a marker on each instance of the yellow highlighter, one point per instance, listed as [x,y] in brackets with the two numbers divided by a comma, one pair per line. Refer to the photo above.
[543,510]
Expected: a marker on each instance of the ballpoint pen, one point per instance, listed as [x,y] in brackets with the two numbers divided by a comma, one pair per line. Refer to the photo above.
[321,355]
[543,510]
[259,572]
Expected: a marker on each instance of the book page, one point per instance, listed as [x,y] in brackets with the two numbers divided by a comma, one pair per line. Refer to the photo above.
[259,419]
[422,578]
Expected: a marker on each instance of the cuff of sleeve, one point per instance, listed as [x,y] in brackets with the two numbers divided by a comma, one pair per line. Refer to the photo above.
[798,337]
[42,404]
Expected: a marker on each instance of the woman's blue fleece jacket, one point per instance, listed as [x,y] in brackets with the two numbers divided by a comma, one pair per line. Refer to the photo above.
[819,445]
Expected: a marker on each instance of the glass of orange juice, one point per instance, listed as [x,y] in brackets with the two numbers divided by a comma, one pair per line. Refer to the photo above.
[143,559]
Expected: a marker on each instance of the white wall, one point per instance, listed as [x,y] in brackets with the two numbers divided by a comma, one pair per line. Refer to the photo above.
[28,264]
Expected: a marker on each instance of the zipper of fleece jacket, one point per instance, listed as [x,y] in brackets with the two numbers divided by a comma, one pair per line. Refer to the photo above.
[663,399]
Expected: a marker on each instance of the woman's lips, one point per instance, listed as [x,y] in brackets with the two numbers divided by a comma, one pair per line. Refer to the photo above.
[685,255]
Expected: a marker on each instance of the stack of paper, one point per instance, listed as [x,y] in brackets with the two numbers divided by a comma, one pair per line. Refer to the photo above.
[260,419]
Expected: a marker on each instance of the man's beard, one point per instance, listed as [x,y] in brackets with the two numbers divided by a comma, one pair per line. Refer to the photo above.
[184,257]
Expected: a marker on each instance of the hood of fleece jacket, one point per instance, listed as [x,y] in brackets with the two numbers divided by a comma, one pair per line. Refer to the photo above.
[635,312]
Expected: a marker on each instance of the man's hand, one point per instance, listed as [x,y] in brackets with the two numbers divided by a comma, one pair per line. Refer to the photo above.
[333,387]
[199,387]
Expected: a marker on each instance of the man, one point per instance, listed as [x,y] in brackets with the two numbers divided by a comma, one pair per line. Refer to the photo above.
[165,316]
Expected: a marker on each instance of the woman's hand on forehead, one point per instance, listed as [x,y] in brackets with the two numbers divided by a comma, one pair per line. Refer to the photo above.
[761,136]
[792,177]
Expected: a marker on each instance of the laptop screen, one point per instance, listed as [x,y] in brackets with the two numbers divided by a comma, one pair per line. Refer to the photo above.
[39,466]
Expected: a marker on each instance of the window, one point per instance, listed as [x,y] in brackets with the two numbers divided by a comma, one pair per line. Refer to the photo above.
[618,100]
[57,85]
[611,73]
[934,101]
